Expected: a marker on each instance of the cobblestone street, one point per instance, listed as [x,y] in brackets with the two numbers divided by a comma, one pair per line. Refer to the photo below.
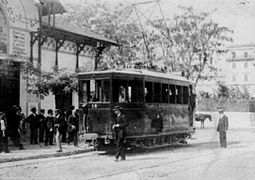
[202,158]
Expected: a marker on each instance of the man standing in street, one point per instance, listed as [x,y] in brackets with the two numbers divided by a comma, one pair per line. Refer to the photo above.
[41,118]
[3,136]
[73,127]
[33,120]
[49,126]
[14,118]
[120,133]
[222,128]
[59,125]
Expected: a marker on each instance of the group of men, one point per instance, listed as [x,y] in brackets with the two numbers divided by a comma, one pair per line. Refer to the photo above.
[42,128]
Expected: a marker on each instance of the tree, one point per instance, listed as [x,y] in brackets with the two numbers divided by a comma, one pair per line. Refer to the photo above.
[113,24]
[193,42]
[41,83]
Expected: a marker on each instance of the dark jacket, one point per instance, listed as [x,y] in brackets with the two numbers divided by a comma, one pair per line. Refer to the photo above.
[60,121]
[223,124]
[72,121]
[49,123]
[33,120]
[41,118]
[120,132]
[13,121]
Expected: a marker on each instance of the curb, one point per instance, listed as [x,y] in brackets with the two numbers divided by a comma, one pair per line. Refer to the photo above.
[42,156]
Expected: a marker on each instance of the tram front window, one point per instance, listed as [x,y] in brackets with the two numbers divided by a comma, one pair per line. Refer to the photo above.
[101,91]
[95,90]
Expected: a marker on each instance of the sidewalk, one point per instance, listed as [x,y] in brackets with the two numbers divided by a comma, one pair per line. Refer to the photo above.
[39,151]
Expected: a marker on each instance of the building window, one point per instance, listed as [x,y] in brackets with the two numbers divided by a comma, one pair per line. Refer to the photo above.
[233,55]
[233,65]
[245,77]
[245,64]
[245,54]
[233,77]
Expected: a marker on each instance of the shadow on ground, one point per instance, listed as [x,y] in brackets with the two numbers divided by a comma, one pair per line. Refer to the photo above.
[132,150]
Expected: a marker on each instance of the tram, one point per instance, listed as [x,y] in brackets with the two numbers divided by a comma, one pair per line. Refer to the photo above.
[159,107]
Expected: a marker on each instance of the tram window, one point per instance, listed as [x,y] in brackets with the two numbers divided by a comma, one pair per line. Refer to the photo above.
[120,91]
[122,94]
[85,91]
[179,94]
[92,96]
[157,92]
[165,93]
[99,90]
[185,95]
[134,91]
[172,94]
[106,91]
[148,92]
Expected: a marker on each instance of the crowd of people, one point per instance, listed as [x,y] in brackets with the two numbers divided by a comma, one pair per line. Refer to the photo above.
[63,124]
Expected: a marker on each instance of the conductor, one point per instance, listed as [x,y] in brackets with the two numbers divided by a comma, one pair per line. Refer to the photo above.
[120,133]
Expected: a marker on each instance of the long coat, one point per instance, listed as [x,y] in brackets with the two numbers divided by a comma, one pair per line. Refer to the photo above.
[223,124]
[60,120]
[73,120]
[49,122]
[33,120]
[120,132]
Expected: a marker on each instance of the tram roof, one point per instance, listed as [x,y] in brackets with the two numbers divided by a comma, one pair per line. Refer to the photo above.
[139,72]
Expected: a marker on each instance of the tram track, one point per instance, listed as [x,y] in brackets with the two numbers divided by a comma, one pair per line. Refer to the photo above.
[204,155]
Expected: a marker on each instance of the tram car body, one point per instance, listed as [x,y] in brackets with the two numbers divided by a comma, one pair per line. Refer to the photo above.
[159,107]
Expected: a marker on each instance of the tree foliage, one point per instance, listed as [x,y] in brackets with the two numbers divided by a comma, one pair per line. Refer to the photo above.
[188,43]
[193,42]
[41,83]
[113,24]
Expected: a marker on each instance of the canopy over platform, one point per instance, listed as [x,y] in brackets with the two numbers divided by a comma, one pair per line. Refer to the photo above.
[61,31]
[70,32]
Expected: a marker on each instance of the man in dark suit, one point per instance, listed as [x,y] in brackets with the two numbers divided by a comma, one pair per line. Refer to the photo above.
[14,118]
[73,127]
[59,125]
[120,133]
[33,120]
[41,118]
[49,127]
[222,128]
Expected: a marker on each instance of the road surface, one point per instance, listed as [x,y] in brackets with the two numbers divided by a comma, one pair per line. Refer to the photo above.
[201,159]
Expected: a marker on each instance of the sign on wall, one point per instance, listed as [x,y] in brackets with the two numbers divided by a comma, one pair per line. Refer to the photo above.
[19,42]
[3,33]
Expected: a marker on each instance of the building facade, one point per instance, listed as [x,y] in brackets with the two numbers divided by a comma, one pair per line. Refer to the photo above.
[17,20]
[240,67]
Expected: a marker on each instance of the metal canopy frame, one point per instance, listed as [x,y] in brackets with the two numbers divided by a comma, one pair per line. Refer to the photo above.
[46,30]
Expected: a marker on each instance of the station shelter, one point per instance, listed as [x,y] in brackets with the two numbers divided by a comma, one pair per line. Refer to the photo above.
[34,31]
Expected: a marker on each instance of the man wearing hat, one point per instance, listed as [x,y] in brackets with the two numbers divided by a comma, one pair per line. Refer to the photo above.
[59,125]
[33,120]
[222,128]
[120,133]
[14,118]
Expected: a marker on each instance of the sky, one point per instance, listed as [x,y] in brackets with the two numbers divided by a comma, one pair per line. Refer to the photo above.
[238,15]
